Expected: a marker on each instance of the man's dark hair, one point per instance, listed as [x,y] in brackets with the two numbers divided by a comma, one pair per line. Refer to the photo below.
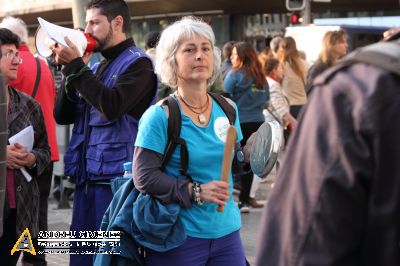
[8,37]
[111,9]
[151,39]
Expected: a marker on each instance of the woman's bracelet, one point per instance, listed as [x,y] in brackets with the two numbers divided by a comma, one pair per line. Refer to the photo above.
[196,190]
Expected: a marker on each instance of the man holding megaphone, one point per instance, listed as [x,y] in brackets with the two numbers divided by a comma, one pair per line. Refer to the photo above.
[105,104]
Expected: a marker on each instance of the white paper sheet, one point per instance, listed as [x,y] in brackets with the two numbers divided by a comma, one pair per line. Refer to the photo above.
[57,34]
[25,138]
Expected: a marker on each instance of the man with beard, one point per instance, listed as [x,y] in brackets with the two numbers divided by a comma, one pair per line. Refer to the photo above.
[105,104]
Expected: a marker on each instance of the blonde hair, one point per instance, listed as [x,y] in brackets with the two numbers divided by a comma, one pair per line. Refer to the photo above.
[165,63]
[292,56]
[17,26]
[330,39]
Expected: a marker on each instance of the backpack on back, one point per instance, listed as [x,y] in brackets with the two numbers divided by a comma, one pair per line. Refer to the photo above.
[131,251]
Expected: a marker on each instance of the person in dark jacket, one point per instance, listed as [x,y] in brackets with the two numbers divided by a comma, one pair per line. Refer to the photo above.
[105,104]
[150,43]
[334,47]
[21,209]
[337,197]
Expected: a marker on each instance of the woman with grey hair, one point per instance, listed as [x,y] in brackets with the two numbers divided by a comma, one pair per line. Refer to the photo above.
[188,61]
[274,45]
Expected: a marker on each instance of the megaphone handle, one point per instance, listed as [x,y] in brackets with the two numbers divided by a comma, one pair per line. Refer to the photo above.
[227,159]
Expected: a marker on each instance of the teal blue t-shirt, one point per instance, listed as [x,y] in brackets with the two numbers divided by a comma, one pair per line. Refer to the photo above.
[206,148]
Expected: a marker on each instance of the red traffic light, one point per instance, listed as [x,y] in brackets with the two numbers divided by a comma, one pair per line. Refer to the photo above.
[295,19]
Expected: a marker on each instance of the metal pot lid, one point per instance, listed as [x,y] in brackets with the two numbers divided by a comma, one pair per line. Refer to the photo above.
[266,147]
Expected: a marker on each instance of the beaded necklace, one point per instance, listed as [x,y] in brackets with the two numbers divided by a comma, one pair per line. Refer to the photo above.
[200,114]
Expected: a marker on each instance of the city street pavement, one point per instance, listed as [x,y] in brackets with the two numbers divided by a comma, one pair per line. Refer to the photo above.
[60,219]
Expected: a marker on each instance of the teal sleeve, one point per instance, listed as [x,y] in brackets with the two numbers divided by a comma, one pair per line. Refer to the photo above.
[152,133]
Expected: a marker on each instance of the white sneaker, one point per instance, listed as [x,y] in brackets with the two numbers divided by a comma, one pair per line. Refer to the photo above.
[244,208]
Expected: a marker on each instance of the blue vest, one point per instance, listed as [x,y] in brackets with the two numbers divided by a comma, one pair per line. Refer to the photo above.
[99,146]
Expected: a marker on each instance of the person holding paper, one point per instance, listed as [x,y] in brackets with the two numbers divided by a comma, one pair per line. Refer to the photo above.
[105,104]
[22,200]
[35,79]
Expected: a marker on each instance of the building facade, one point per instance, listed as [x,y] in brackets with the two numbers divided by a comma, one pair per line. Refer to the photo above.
[250,20]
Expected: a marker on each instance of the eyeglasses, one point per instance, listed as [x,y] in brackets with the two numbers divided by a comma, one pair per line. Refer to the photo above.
[11,55]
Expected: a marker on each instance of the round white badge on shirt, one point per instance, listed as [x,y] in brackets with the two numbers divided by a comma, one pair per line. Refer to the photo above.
[221,125]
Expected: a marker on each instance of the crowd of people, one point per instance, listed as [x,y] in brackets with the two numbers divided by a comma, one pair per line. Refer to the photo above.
[113,107]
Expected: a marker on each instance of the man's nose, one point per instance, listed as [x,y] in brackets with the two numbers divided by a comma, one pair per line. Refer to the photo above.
[88,29]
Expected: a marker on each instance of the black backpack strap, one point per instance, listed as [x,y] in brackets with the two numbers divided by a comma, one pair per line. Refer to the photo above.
[174,130]
[227,107]
[38,74]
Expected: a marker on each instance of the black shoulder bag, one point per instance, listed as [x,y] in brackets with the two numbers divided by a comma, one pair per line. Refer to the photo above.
[37,81]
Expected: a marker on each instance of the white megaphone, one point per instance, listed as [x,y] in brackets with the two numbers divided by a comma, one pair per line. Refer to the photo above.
[49,34]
